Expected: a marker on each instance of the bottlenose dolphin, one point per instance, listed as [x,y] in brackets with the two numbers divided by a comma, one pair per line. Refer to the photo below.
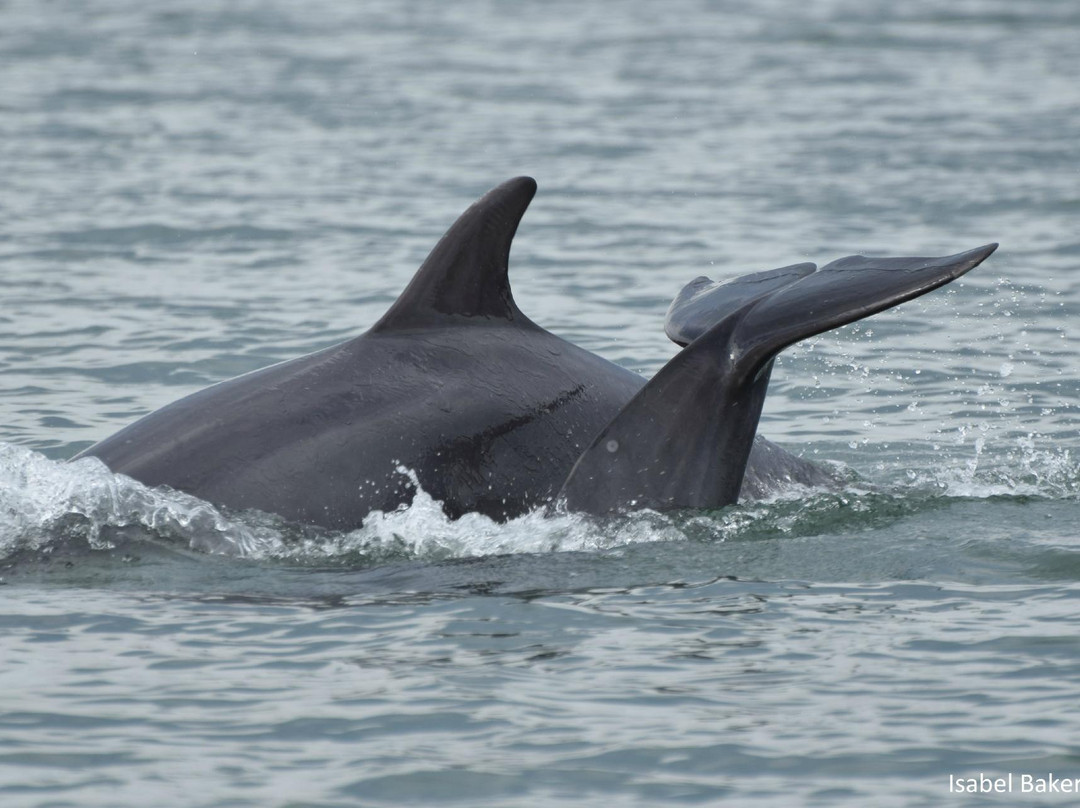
[494,414]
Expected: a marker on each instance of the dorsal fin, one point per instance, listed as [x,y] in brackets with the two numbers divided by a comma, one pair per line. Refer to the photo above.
[466,274]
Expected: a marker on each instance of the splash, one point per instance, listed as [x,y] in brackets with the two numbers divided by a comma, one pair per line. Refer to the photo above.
[46,504]
[1016,467]
[43,502]
[423,530]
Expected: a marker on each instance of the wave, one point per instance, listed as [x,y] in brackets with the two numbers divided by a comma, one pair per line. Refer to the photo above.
[46,505]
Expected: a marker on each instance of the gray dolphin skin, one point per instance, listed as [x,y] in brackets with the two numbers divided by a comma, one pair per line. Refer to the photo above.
[496,415]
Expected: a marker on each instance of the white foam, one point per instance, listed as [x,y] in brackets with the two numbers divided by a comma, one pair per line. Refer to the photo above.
[43,502]
[41,499]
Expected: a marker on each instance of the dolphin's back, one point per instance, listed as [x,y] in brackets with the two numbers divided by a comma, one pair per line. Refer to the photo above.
[489,418]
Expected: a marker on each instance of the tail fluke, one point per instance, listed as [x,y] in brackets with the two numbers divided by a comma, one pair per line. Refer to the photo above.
[845,291]
[703,302]
[683,441]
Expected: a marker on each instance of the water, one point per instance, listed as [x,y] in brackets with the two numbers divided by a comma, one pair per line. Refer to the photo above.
[193,192]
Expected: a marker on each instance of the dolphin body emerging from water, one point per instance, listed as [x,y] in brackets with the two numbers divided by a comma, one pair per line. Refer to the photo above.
[495,415]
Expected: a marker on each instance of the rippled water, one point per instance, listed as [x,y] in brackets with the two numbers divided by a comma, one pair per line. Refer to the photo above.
[193,192]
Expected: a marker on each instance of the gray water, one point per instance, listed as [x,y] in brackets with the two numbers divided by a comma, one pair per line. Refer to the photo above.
[191,191]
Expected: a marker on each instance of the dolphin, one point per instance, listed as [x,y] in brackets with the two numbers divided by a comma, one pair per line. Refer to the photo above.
[456,390]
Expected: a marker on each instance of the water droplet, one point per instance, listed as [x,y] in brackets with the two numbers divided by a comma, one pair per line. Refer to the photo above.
[612,445]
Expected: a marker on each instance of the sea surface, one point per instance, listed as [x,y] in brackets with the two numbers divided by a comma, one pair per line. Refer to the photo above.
[190,191]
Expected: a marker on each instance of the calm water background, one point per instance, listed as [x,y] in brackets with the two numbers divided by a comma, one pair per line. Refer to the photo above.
[196,190]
